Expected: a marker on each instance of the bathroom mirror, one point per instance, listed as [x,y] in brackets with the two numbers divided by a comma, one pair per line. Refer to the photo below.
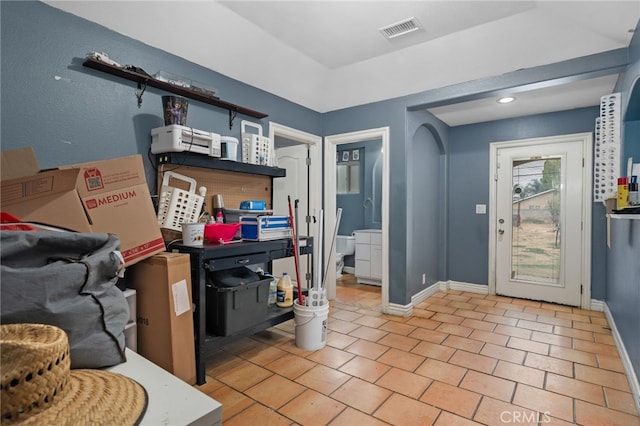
[348,179]
[359,185]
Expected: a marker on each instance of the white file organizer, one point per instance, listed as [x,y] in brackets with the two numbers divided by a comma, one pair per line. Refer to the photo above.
[176,205]
[256,149]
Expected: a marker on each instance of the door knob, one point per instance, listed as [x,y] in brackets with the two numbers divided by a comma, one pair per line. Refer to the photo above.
[500,231]
[501,221]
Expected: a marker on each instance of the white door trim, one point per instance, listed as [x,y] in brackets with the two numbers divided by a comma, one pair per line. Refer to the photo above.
[315,154]
[330,203]
[314,143]
[587,141]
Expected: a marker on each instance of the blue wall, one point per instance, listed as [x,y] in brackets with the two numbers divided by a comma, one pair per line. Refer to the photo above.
[469,185]
[623,279]
[425,169]
[390,113]
[623,268]
[70,113]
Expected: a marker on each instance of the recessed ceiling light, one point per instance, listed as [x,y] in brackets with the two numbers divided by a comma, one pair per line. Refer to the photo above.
[506,100]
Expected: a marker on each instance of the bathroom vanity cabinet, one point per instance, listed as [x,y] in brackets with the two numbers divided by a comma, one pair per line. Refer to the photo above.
[369,256]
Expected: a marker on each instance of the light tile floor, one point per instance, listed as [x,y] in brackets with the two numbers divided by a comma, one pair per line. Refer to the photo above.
[460,359]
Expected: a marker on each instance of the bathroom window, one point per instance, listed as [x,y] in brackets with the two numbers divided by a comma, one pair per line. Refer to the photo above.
[348,172]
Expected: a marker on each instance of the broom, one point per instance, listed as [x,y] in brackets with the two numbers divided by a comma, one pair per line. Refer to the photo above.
[296,253]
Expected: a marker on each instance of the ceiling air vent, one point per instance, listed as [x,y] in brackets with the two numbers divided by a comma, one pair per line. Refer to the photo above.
[400,28]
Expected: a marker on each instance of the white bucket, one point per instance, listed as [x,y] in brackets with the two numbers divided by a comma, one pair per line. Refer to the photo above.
[193,234]
[310,326]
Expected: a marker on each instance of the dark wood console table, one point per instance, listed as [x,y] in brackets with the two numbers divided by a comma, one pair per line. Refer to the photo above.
[215,257]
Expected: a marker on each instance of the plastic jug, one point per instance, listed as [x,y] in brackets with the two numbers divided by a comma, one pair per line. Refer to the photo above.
[273,290]
[284,291]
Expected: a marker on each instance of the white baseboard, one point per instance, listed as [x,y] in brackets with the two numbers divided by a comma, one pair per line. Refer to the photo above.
[624,357]
[597,305]
[471,288]
[349,270]
[447,285]
[400,310]
[426,293]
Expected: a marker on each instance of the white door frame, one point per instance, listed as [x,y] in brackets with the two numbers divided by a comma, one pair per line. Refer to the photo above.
[315,154]
[314,144]
[330,203]
[587,141]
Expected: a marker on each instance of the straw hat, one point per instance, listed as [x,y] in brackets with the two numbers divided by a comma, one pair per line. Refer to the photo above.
[38,386]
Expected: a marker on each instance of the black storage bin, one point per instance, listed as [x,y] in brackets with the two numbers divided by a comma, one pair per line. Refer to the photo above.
[231,309]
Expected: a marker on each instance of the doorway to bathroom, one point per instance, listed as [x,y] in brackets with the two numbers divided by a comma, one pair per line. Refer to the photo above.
[363,296]
[334,144]
[359,185]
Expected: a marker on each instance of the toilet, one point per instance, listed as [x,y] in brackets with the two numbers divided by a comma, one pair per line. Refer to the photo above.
[345,246]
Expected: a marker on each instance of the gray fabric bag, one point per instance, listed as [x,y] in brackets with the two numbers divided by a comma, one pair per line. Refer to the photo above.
[67,279]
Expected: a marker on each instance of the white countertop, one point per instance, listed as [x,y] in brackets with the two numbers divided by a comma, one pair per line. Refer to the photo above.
[624,216]
[171,400]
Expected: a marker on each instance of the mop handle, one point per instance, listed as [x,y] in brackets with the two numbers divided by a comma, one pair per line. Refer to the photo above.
[317,253]
[333,241]
[295,253]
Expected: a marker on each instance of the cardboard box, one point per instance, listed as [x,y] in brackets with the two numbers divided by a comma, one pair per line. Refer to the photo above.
[164,312]
[108,196]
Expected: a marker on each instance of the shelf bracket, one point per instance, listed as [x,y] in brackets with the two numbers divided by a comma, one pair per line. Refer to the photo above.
[142,86]
[232,116]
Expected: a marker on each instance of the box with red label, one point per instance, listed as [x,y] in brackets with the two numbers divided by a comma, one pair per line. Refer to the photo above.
[108,196]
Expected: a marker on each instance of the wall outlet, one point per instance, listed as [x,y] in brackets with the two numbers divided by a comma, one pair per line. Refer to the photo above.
[424,278]
[481,209]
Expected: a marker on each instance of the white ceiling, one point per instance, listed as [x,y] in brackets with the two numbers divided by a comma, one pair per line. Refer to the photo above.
[328,55]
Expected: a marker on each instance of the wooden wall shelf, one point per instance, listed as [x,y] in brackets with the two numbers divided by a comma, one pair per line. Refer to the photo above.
[143,79]
[199,160]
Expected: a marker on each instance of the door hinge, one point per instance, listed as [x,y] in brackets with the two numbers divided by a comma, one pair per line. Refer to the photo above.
[308,161]
[580,288]
[583,163]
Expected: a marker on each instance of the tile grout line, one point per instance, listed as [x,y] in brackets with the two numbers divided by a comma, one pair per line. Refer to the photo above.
[555,332]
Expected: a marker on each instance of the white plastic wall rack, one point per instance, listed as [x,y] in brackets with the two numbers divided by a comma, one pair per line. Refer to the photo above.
[606,165]
[256,149]
[176,138]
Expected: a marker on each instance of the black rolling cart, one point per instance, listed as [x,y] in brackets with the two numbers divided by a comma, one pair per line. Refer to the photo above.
[216,257]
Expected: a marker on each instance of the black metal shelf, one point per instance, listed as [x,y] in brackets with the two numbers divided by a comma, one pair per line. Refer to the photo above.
[205,161]
[275,316]
[210,257]
[147,80]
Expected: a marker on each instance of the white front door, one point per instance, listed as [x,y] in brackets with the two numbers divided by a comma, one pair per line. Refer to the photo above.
[540,219]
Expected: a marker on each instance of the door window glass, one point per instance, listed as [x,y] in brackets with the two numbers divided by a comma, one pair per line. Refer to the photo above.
[536,234]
